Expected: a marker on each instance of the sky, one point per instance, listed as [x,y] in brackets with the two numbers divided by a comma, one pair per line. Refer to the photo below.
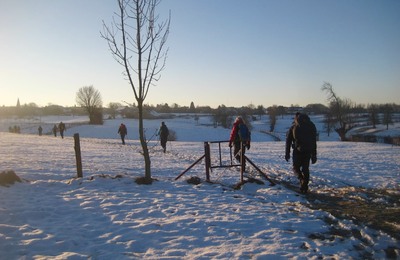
[221,52]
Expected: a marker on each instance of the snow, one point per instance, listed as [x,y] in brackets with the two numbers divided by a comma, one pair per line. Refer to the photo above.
[106,215]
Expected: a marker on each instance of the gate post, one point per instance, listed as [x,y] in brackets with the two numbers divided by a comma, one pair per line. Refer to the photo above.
[207,159]
[78,156]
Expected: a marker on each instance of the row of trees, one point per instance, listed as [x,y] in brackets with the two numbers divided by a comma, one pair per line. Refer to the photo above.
[89,103]
[343,114]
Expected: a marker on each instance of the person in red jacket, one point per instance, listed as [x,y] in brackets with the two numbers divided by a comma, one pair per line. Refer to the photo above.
[240,134]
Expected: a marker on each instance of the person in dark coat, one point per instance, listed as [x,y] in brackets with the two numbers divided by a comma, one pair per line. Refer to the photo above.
[122,131]
[290,141]
[55,130]
[163,132]
[40,130]
[302,137]
[61,128]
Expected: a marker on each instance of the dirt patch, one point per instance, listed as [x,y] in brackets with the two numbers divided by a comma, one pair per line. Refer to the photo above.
[376,208]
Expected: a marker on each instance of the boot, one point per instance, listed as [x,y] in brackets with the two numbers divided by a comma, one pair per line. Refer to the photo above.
[304,184]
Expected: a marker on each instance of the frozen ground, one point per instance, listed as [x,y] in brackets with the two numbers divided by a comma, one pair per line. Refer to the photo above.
[106,215]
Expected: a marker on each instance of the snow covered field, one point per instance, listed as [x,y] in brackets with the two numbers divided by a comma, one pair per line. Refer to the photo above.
[106,215]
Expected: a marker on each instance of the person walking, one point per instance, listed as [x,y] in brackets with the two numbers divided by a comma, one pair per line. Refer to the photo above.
[302,138]
[290,141]
[55,130]
[40,130]
[240,135]
[122,131]
[163,132]
[61,128]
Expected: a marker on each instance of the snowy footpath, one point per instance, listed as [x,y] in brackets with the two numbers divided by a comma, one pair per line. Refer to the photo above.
[106,215]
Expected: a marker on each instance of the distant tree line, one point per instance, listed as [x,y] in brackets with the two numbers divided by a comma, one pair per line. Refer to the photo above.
[341,115]
[31,109]
[114,108]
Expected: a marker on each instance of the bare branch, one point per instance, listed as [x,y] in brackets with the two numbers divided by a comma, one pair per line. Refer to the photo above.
[137,42]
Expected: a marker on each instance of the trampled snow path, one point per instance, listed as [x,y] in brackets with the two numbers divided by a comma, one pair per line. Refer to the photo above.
[102,217]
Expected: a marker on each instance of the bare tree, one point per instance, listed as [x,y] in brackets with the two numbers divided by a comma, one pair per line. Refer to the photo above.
[112,107]
[222,116]
[137,41]
[90,99]
[260,111]
[373,115]
[387,115]
[328,122]
[340,110]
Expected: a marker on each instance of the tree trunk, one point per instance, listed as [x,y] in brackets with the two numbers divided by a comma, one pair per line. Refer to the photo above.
[342,132]
[146,155]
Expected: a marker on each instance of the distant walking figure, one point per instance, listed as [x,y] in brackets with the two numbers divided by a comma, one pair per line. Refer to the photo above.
[55,130]
[61,127]
[40,130]
[163,133]
[122,131]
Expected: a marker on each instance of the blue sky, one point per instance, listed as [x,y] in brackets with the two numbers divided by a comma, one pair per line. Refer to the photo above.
[236,53]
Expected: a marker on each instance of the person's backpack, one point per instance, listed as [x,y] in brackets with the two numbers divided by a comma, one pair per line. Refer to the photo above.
[244,133]
[305,135]
[166,131]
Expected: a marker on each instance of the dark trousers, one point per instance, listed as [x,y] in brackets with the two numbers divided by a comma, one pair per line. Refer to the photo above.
[301,166]
[163,142]
[123,139]
[236,151]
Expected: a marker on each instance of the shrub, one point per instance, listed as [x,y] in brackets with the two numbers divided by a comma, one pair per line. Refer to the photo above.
[8,177]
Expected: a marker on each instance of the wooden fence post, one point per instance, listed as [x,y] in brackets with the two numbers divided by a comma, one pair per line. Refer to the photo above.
[242,162]
[78,156]
[207,160]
